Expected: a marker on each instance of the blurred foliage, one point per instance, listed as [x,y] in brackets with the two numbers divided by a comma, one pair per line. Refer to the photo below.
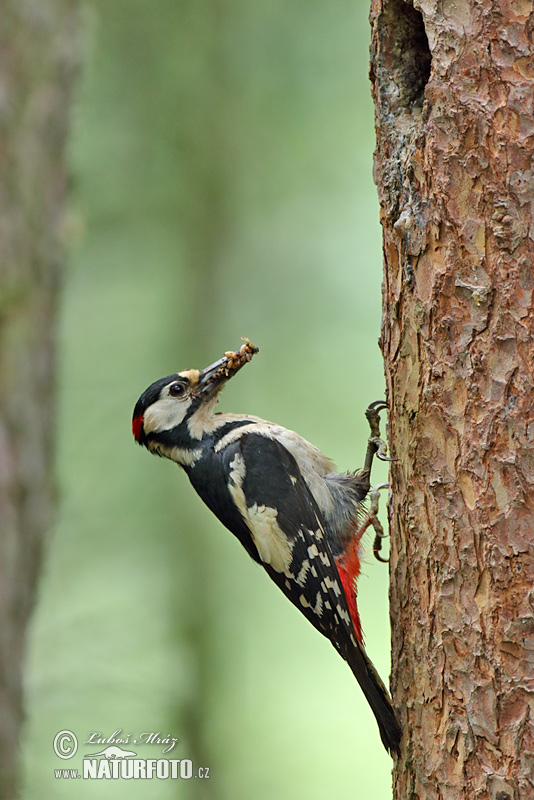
[222,168]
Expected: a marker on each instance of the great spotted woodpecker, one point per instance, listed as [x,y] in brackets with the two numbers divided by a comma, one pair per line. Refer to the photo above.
[281,497]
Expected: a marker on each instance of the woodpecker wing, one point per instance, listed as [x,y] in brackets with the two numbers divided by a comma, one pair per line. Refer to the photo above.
[291,538]
[287,528]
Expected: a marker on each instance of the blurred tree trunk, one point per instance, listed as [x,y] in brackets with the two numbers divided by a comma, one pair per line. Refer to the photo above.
[454,94]
[38,56]
[205,223]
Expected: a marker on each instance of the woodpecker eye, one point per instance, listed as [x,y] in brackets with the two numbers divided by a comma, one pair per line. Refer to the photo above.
[177,389]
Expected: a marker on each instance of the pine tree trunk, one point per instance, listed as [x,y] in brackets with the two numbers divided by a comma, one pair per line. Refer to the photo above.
[454,95]
[38,54]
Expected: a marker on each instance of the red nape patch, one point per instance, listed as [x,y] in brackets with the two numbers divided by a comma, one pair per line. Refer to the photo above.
[137,427]
[349,568]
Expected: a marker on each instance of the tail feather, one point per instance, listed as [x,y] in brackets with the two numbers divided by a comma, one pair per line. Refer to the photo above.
[378,698]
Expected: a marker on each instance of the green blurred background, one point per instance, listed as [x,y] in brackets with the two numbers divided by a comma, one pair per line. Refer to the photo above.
[222,186]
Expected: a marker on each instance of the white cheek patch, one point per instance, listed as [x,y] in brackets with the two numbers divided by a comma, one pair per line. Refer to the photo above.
[165,413]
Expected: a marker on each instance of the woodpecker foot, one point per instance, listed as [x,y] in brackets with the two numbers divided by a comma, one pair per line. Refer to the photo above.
[375,442]
[371,518]
[375,445]
[375,522]
[373,416]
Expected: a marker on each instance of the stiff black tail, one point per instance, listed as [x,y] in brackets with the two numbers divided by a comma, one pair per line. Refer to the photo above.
[378,698]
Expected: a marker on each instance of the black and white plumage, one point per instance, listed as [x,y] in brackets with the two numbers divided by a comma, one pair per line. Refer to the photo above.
[281,497]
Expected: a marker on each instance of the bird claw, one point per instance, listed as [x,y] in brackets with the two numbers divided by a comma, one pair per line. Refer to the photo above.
[371,519]
[375,522]
[381,449]
[375,445]
[373,416]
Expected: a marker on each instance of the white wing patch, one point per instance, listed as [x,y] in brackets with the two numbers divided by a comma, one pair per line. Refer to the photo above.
[317,608]
[313,551]
[272,544]
[276,549]
[235,483]
[344,615]
[301,577]
[331,584]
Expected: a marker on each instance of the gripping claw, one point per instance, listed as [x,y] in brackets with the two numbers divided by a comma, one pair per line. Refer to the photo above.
[375,447]
[371,518]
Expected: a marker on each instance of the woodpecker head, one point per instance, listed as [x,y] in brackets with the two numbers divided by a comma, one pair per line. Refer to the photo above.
[176,410]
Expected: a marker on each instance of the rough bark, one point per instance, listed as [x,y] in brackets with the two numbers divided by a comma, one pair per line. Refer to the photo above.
[453,85]
[38,54]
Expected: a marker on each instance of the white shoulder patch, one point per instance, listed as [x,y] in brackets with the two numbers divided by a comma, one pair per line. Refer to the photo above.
[235,484]
[272,544]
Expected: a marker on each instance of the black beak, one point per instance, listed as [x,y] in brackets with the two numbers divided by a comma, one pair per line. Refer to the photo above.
[213,378]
